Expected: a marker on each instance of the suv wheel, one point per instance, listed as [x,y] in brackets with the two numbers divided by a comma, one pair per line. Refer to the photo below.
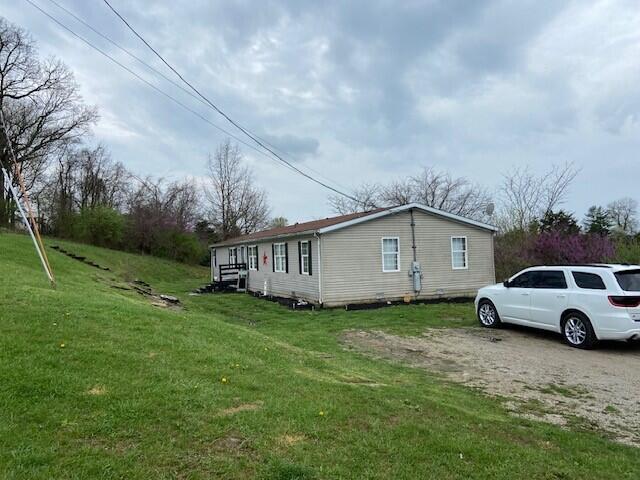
[488,315]
[577,331]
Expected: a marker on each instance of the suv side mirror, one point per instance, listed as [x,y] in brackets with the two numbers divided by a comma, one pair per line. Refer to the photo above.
[506,283]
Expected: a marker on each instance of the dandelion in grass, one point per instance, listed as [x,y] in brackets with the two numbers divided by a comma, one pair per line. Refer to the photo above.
[321,413]
[62,345]
[223,379]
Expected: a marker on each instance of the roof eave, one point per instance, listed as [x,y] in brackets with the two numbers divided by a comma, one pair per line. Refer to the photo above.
[404,208]
[263,239]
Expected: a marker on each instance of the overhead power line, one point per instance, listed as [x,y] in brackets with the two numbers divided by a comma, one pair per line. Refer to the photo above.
[166,78]
[244,130]
[149,84]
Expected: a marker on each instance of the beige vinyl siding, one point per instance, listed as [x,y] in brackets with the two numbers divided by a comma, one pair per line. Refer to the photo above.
[282,284]
[352,259]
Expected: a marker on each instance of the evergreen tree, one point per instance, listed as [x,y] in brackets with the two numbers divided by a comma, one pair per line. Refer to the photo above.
[560,222]
[597,220]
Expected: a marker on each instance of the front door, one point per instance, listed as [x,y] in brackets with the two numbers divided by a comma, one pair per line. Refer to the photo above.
[517,299]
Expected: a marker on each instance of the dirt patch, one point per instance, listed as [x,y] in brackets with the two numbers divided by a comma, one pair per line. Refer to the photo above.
[541,377]
[244,407]
[97,390]
[288,440]
[232,444]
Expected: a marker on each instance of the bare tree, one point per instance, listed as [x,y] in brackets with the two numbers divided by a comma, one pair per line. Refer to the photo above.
[623,213]
[365,198]
[156,208]
[278,222]
[399,192]
[100,181]
[430,187]
[237,205]
[81,178]
[41,104]
[440,190]
[526,196]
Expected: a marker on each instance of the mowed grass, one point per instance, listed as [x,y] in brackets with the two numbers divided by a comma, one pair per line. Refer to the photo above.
[137,391]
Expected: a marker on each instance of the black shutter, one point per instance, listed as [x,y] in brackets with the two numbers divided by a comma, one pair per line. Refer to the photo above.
[286,257]
[229,252]
[300,257]
[310,257]
[273,257]
[257,259]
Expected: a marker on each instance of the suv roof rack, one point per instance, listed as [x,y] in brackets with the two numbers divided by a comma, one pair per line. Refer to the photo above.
[596,265]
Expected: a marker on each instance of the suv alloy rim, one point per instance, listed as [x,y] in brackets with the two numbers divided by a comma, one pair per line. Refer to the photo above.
[487,314]
[575,331]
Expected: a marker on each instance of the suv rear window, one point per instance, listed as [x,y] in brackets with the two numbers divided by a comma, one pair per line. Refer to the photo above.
[590,281]
[629,280]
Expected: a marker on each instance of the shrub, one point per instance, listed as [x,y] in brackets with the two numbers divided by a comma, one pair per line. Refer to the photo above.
[179,246]
[628,250]
[513,252]
[517,250]
[101,226]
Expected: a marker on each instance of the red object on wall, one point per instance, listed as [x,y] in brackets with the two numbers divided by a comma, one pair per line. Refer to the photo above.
[265,259]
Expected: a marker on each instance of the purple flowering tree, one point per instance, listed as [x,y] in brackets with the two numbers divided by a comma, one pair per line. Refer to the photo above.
[556,248]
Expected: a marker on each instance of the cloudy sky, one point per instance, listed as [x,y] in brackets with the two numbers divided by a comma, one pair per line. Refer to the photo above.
[368,91]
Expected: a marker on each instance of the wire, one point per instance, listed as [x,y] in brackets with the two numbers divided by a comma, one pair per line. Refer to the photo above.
[149,84]
[135,57]
[172,82]
[247,132]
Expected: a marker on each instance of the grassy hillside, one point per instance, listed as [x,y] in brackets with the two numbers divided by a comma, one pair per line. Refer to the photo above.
[96,382]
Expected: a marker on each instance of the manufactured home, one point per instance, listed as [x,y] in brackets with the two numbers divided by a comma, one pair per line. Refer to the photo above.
[410,252]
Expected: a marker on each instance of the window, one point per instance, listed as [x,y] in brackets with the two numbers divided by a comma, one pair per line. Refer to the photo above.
[280,257]
[233,255]
[391,254]
[304,248]
[524,280]
[253,257]
[214,257]
[549,279]
[629,280]
[591,281]
[242,255]
[459,253]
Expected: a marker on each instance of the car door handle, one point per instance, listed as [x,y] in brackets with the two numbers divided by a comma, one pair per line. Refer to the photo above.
[526,294]
[561,295]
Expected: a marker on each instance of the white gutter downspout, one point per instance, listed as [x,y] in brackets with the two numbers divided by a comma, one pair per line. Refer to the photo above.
[319,266]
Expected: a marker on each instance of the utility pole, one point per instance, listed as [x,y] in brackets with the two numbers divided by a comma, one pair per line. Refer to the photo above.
[7,181]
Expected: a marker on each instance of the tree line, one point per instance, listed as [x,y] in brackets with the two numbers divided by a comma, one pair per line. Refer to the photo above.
[81,193]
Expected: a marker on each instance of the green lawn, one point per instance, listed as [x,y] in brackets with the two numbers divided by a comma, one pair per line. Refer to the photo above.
[137,391]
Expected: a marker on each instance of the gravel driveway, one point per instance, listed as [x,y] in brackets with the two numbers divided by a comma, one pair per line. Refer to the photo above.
[540,376]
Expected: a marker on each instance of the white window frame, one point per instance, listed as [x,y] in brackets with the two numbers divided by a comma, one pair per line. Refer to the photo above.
[234,256]
[397,253]
[250,257]
[304,256]
[282,256]
[465,251]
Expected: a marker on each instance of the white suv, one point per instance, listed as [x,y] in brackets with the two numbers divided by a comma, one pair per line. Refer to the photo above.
[585,303]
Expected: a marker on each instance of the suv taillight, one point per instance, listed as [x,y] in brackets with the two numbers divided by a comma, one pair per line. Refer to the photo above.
[624,301]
